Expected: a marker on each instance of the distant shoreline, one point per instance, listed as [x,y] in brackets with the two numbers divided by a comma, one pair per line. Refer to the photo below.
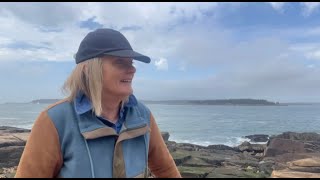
[224,102]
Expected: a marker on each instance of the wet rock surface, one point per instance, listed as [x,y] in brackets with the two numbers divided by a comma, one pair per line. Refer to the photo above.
[286,155]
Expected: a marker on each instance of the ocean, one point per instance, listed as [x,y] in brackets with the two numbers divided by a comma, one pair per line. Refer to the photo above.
[202,124]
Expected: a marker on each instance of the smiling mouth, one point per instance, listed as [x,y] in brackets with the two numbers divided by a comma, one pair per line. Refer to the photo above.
[126,81]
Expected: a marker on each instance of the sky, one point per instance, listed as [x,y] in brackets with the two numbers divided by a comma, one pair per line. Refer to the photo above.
[198,50]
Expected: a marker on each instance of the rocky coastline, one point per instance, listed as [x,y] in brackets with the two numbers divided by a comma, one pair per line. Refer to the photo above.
[286,155]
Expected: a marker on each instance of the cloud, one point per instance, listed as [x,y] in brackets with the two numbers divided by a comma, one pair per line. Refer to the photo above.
[314,54]
[37,79]
[311,66]
[162,64]
[48,14]
[90,24]
[277,5]
[310,7]
[182,67]
[58,24]
[143,14]
[310,51]
[248,63]
[275,82]
[24,45]
[29,43]
[268,67]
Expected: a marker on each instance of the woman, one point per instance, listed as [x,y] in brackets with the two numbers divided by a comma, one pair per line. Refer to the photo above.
[101,129]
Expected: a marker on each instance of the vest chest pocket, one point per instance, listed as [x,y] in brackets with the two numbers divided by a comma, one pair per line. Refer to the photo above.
[135,156]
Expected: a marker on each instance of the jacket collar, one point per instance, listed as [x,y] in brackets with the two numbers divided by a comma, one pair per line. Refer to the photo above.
[82,103]
[91,127]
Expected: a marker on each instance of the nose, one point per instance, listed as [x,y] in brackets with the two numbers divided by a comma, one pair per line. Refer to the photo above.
[131,69]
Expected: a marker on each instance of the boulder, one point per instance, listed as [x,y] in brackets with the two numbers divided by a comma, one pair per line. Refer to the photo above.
[258,138]
[165,136]
[221,147]
[307,136]
[266,167]
[12,142]
[255,148]
[278,146]
[10,156]
[7,129]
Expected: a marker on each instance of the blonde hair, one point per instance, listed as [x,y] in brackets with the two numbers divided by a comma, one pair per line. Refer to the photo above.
[87,78]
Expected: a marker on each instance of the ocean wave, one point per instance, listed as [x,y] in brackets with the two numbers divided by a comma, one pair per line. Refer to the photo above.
[228,141]
[200,143]
[8,118]
[236,141]
[30,112]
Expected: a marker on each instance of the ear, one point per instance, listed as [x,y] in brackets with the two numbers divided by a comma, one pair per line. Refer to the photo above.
[85,69]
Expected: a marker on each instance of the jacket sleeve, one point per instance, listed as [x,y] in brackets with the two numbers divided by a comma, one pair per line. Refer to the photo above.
[42,155]
[160,161]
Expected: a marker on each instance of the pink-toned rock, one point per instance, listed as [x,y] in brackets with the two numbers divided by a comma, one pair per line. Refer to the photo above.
[309,162]
[286,173]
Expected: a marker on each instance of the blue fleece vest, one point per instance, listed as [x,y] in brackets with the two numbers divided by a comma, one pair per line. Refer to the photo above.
[92,149]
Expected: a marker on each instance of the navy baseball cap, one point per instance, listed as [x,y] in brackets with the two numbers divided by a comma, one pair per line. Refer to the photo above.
[107,42]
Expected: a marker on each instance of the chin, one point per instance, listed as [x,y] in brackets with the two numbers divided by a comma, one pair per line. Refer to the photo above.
[126,93]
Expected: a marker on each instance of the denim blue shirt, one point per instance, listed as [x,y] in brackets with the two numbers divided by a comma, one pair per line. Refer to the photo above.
[83,104]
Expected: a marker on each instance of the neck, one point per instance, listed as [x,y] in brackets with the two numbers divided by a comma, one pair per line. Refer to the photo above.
[110,107]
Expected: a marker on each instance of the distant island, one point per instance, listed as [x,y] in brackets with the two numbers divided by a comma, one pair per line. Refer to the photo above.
[236,102]
[244,102]
[45,101]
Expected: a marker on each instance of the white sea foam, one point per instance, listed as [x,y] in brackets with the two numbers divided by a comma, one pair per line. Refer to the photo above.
[30,112]
[8,118]
[236,141]
[200,143]
[231,141]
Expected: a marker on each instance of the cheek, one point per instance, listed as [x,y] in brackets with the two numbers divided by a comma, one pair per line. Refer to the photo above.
[109,81]
[112,83]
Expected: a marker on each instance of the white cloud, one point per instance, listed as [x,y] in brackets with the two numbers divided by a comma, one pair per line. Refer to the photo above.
[161,64]
[277,5]
[56,24]
[311,66]
[314,54]
[314,31]
[182,67]
[269,82]
[43,14]
[180,32]
[60,46]
[310,7]
[5,41]
[308,50]
[146,14]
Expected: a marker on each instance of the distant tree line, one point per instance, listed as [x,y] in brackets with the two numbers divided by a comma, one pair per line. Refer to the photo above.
[195,102]
[218,102]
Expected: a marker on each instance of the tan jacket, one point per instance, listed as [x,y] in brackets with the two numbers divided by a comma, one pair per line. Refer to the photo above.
[42,156]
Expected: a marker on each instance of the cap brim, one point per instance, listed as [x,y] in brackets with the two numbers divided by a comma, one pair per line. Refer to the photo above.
[129,54]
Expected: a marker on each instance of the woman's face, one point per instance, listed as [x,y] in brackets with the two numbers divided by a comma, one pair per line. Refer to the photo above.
[117,76]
